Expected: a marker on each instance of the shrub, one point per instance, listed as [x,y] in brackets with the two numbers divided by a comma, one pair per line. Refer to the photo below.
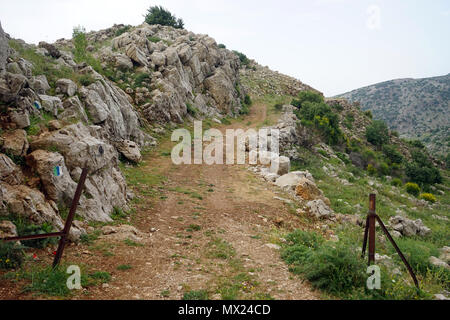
[247,100]
[368,114]
[377,133]
[242,57]
[421,170]
[392,154]
[11,255]
[278,106]
[412,188]
[162,16]
[222,46]
[383,169]
[321,115]
[428,197]
[396,182]
[307,96]
[80,43]
[371,169]
[335,269]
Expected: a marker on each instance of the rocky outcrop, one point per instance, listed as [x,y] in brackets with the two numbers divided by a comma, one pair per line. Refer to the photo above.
[184,68]
[408,227]
[319,210]
[81,146]
[31,204]
[109,107]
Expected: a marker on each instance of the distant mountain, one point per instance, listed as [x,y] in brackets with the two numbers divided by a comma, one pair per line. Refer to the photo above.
[416,108]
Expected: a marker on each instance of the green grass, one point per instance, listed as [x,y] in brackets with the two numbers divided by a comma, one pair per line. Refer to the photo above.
[196,295]
[132,243]
[220,249]
[124,267]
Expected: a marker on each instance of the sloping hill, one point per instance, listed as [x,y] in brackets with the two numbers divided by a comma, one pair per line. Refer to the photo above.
[416,108]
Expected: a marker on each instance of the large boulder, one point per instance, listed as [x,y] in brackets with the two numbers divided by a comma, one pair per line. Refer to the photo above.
[9,171]
[73,111]
[15,142]
[221,88]
[10,86]
[52,50]
[21,118]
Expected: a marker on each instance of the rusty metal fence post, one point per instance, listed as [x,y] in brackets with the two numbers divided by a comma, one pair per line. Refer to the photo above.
[370,236]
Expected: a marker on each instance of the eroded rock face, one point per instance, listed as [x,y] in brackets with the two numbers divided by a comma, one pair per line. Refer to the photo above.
[290,181]
[105,185]
[109,106]
[66,86]
[184,68]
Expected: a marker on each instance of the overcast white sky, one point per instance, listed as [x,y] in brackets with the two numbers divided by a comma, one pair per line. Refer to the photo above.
[332,45]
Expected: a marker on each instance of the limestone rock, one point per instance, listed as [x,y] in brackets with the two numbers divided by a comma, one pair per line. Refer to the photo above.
[31,204]
[10,86]
[15,142]
[158,58]
[9,171]
[52,50]
[66,86]
[408,227]
[319,209]
[136,55]
[307,190]
[20,117]
[289,181]
[39,84]
[60,189]
[51,104]
[129,150]
[7,229]
[439,263]
[73,111]
[105,186]
[280,166]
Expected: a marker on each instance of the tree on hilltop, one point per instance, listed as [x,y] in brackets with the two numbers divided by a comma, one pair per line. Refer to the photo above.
[159,15]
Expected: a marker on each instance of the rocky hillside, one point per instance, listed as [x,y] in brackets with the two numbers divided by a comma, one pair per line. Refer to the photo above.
[416,108]
[62,110]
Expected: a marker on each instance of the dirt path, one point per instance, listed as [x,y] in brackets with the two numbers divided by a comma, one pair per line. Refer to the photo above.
[203,228]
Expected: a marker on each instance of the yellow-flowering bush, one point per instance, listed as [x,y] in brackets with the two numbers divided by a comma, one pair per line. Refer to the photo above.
[428,197]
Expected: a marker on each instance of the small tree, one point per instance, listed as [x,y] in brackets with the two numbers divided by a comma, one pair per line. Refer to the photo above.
[377,133]
[159,15]
[80,43]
